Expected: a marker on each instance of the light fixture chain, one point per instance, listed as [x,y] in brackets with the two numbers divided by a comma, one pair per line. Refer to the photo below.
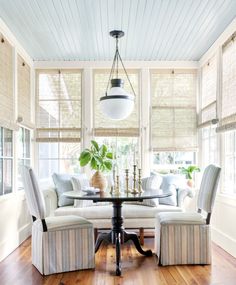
[112,71]
[126,73]
[117,61]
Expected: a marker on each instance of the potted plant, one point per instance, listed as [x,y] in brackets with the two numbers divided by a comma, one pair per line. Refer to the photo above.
[100,159]
[188,172]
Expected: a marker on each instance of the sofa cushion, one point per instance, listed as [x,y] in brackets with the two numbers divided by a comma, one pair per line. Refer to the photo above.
[63,184]
[105,212]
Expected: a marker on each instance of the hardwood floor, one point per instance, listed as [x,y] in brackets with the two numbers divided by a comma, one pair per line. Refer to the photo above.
[137,270]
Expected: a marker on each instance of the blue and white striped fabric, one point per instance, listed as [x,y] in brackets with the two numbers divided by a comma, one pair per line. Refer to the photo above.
[184,238]
[68,243]
[63,250]
[207,191]
[34,196]
[183,244]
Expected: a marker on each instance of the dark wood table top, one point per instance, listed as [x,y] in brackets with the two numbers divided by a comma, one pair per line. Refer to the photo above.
[107,196]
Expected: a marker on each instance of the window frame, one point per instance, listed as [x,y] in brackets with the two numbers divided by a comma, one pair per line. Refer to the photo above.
[3,158]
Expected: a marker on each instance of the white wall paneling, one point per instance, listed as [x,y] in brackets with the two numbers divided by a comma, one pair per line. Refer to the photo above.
[223,229]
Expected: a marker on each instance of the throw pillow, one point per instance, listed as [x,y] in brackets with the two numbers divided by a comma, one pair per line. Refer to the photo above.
[169,184]
[78,183]
[152,183]
[63,184]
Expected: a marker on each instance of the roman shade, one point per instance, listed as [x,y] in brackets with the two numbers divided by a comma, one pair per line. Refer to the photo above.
[124,128]
[7,114]
[228,109]
[208,93]
[58,106]
[173,114]
[24,92]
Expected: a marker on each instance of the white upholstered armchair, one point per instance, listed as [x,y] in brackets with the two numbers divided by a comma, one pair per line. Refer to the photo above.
[184,238]
[59,244]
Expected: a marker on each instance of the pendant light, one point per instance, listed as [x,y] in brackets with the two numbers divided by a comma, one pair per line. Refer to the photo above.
[117,104]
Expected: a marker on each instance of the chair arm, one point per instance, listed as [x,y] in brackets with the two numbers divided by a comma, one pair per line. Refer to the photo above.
[50,197]
[182,193]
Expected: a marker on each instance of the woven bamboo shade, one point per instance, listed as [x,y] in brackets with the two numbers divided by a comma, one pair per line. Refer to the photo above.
[24,91]
[228,108]
[7,116]
[173,116]
[59,106]
[208,93]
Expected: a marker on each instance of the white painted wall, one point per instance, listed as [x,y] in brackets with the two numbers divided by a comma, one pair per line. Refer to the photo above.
[15,222]
[224,213]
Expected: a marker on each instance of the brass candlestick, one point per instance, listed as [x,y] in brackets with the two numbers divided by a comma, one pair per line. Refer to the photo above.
[139,181]
[117,186]
[134,190]
[127,180]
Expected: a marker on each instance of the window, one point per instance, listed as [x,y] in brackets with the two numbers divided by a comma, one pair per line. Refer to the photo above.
[125,148]
[24,153]
[229,170]
[170,161]
[24,91]
[6,160]
[208,93]
[7,118]
[173,115]
[58,121]
[228,108]
[173,118]
[209,146]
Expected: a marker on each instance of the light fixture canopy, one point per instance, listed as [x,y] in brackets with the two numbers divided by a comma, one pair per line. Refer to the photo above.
[117,104]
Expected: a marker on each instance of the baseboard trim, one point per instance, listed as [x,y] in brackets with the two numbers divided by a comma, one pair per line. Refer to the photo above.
[223,240]
[9,245]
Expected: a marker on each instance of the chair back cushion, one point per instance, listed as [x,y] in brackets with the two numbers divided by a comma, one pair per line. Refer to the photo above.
[208,188]
[34,196]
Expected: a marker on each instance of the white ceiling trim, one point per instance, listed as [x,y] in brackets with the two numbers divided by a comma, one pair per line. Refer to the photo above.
[107,64]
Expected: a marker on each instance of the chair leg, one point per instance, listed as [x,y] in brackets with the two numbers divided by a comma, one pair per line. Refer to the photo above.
[141,235]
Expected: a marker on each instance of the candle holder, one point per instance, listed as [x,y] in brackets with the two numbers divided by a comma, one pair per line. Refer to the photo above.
[117,185]
[139,180]
[127,181]
[134,190]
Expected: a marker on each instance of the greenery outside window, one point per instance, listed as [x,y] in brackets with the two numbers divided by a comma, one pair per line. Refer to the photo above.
[170,161]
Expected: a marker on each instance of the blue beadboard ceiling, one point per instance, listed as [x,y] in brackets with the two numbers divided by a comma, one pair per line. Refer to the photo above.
[154,29]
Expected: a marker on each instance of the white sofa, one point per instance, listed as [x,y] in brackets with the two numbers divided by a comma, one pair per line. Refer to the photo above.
[135,216]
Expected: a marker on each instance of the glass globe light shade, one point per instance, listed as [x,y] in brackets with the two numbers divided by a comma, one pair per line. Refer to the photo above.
[117,104]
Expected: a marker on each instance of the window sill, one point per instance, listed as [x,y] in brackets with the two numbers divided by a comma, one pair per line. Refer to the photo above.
[16,195]
[228,199]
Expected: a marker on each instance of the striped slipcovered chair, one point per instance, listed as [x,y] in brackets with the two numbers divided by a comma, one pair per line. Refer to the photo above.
[59,244]
[184,238]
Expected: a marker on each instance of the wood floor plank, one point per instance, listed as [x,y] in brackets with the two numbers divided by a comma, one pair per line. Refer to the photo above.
[136,269]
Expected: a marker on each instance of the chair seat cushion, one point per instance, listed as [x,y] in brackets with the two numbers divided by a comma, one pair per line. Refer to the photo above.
[181,218]
[129,211]
[63,222]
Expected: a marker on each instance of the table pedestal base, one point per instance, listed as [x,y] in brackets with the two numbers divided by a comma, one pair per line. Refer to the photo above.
[118,235]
